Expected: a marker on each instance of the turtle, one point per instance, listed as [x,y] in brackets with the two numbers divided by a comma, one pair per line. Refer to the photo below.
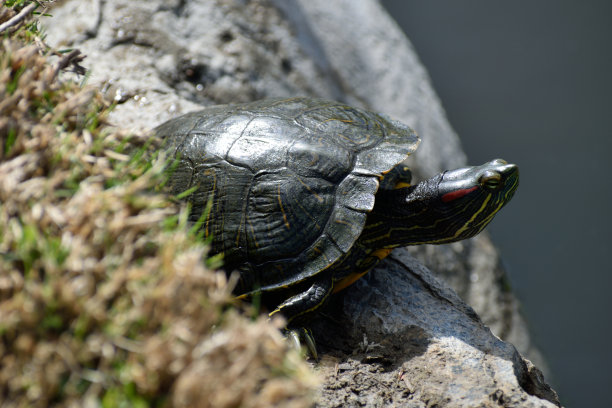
[303,196]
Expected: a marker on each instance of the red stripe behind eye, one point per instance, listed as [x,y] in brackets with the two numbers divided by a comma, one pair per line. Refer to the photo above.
[453,195]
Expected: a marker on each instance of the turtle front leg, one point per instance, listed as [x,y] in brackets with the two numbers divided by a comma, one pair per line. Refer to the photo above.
[306,302]
[300,306]
[398,177]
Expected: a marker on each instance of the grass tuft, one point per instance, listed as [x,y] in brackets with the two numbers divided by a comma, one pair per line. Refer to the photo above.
[105,294]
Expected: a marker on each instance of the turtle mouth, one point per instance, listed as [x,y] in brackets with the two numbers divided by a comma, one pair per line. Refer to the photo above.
[509,177]
[503,167]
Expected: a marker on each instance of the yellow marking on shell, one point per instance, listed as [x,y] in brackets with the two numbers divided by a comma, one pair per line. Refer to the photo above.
[280,203]
[253,234]
[344,222]
[242,224]
[207,225]
[345,138]
[209,204]
[305,211]
[238,232]
[318,197]
[339,120]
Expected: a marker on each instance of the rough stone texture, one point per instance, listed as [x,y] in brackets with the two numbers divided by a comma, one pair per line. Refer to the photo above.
[413,342]
[158,59]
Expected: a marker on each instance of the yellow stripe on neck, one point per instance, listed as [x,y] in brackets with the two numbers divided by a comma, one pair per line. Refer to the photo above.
[469,222]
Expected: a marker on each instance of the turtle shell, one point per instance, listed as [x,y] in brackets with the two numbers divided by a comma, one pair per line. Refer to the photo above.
[288,182]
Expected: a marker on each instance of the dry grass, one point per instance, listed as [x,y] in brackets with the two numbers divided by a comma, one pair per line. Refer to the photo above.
[105,297]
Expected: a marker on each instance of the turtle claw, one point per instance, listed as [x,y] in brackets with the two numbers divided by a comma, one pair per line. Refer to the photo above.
[296,336]
[310,343]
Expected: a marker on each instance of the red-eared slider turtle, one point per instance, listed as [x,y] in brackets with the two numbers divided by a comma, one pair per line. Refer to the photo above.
[307,195]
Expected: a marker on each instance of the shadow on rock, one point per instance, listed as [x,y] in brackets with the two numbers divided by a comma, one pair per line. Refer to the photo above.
[400,335]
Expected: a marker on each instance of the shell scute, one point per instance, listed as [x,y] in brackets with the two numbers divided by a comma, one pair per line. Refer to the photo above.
[291,181]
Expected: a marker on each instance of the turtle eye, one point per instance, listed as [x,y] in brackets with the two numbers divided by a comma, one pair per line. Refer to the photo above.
[491,180]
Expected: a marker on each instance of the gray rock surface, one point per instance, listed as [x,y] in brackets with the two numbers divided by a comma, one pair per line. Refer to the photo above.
[159,59]
[411,341]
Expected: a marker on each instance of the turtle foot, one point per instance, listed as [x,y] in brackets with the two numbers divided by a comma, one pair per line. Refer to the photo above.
[303,336]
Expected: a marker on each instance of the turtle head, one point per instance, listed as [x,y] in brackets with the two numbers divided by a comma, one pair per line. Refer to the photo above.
[451,206]
[468,198]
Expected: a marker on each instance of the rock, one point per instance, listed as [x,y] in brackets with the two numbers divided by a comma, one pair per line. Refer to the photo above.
[158,59]
[414,337]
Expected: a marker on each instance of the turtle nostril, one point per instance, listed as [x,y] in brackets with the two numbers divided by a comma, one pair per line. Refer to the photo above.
[508,169]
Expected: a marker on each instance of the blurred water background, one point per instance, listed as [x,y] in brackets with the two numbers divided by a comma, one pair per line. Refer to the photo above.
[531,82]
